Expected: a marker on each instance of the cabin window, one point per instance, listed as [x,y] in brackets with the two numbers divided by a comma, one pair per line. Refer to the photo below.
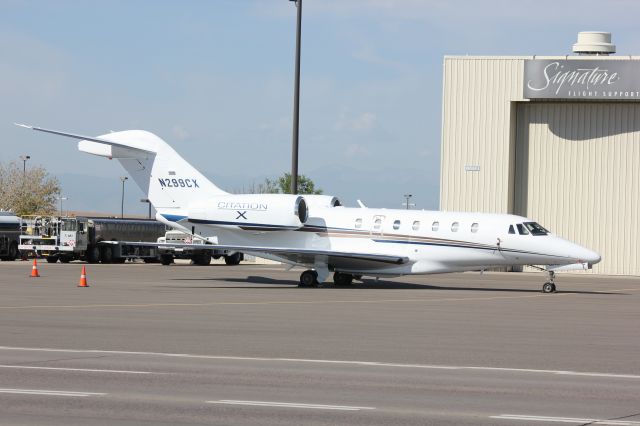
[358,223]
[474,227]
[435,226]
[521,229]
[511,230]
[455,226]
[535,228]
[377,224]
[396,224]
[416,225]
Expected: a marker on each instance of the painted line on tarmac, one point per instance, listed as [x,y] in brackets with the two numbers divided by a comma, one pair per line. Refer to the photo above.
[573,420]
[50,392]
[281,302]
[83,370]
[295,302]
[290,405]
[333,362]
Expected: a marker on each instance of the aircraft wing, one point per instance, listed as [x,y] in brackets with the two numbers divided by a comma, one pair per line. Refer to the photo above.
[347,260]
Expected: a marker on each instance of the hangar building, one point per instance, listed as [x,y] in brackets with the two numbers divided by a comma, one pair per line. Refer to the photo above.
[553,138]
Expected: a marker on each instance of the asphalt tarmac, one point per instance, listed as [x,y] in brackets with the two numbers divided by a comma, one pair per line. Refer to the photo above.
[243,345]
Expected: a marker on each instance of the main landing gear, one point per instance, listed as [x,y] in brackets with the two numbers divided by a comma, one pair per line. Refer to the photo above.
[340,278]
[549,286]
[309,278]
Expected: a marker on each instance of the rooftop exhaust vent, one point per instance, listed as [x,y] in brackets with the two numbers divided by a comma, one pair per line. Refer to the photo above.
[594,43]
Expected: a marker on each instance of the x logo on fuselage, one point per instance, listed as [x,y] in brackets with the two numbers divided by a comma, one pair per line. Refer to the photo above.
[241,214]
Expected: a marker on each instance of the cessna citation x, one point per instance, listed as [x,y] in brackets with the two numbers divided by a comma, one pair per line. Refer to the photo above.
[317,232]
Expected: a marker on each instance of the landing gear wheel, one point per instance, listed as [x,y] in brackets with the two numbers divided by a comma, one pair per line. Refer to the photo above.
[166,259]
[340,278]
[308,278]
[550,286]
[52,259]
[233,259]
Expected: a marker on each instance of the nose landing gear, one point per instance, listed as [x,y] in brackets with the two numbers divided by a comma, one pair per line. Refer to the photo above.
[549,286]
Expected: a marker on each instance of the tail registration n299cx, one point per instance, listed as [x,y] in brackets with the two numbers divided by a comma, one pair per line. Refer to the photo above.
[178,183]
[317,232]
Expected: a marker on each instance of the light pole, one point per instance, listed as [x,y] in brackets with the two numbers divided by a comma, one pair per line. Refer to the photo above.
[146,200]
[123,179]
[24,159]
[407,198]
[296,104]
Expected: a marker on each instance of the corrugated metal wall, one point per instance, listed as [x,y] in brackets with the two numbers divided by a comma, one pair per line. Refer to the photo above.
[576,162]
[577,174]
[478,129]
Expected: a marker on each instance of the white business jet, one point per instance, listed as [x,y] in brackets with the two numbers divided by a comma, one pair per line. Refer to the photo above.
[317,232]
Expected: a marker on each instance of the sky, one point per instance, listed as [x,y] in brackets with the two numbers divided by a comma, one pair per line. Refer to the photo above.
[215,80]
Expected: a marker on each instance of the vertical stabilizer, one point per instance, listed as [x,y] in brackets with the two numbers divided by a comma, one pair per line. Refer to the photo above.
[168,179]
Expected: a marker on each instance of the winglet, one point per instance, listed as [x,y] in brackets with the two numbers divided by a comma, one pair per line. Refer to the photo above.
[23,125]
[361,204]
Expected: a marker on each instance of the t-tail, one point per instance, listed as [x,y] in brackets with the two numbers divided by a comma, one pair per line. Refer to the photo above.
[169,181]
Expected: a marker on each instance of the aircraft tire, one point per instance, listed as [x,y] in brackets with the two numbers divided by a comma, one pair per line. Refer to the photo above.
[548,287]
[233,259]
[308,278]
[52,259]
[340,278]
[166,259]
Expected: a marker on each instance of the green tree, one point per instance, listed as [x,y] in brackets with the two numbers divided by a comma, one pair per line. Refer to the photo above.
[282,185]
[305,185]
[270,186]
[30,192]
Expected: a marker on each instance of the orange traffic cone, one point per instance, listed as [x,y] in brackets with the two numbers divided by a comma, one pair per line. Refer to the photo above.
[34,269]
[83,278]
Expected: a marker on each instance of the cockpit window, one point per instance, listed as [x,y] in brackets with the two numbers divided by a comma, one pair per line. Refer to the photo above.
[535,228]
[511,230]
[521,229]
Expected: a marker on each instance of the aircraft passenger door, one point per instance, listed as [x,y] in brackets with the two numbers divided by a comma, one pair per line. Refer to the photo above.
[377,224]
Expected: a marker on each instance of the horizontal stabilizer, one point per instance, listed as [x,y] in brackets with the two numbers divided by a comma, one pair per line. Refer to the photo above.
[90,147]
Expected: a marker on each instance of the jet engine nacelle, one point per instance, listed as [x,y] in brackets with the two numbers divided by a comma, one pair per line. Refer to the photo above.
[321,201]
[265,212]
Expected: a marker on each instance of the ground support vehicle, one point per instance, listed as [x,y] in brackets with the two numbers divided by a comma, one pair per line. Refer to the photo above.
[10,228]
[93,239]
[198,256]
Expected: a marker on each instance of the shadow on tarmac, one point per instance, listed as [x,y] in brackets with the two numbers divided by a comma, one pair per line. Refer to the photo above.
[372,285]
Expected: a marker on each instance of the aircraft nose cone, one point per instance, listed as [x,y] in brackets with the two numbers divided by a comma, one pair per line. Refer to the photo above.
[595,259]
[590,256]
